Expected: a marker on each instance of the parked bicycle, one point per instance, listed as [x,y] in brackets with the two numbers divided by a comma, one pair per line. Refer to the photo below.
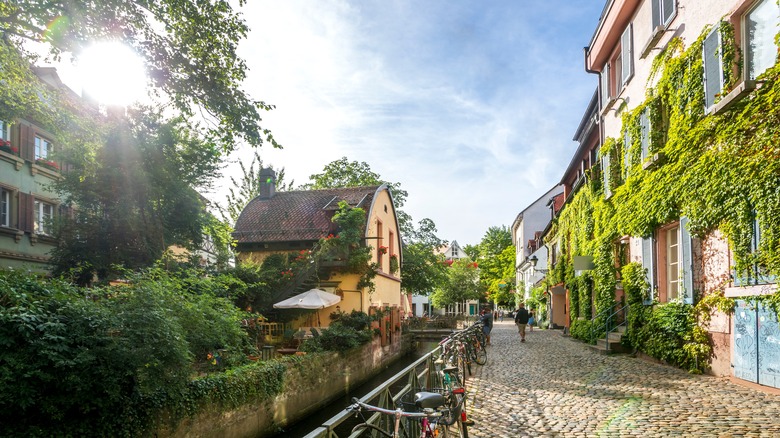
[427,411]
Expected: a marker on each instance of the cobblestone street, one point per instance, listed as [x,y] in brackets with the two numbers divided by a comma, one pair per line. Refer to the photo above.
[556,386]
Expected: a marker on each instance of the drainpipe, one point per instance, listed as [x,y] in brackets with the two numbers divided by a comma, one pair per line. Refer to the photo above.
[600,94]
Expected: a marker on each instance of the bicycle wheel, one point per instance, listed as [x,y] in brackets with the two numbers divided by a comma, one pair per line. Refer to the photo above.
[480,354]
[453,406]
[455,430]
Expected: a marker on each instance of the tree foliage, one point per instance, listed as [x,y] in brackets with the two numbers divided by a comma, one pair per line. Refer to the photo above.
[189,48]
[97,362]
[497,263]
[461,284]
[135,200]
[248,188]
[423,267]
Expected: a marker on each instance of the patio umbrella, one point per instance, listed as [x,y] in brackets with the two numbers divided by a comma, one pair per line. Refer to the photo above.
[312,299]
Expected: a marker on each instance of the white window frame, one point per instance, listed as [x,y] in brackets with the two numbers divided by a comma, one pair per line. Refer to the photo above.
[5,207]
[44,214]
[4,134]
[748,73]
[664,12]
[43,147]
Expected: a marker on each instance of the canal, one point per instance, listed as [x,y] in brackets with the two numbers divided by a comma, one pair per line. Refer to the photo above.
[316,419]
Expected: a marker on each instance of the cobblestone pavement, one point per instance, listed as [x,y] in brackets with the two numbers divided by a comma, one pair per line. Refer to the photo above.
[555,386]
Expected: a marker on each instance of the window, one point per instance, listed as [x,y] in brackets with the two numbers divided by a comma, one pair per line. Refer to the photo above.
[627,150]
[5,207]
[619,69]
[379,248]
[4,130]
[672,263]
[43,148]
[454,252]
[760,26]
[756,273]
[43,215]
[713,67]
[663,12]
[675,263]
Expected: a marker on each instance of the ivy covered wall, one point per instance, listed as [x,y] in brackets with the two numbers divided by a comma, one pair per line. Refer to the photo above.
[721,171]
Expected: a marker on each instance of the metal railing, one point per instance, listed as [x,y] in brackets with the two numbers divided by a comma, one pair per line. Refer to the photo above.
[416,377]
[610,323]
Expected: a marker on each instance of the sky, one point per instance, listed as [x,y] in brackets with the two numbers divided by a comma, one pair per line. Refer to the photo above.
[471,106]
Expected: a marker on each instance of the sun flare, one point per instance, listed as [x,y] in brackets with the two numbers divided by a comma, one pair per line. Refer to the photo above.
[112,73]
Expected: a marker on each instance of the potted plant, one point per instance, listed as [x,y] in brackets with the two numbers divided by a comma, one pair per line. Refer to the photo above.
[393,263]
[6,146]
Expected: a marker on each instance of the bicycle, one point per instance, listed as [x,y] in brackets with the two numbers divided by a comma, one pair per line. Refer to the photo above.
[430,409]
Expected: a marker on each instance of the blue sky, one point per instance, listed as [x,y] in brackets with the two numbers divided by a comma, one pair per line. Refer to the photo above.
[472,106]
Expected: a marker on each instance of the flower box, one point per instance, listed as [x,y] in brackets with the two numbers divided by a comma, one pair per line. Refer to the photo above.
[47,163]
[6,146]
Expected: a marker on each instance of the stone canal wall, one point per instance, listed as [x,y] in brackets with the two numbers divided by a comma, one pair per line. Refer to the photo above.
[309,384]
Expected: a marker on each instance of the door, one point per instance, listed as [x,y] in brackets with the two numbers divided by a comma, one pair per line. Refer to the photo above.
[756,346]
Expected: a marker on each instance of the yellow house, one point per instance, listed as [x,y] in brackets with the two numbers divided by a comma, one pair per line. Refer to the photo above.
[292,221]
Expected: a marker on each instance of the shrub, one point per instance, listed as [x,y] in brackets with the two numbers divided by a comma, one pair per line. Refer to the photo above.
[337,337]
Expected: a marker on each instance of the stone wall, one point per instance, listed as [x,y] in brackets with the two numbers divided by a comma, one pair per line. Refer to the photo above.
[309,384]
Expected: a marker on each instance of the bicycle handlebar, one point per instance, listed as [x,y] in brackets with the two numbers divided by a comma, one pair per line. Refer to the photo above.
[357,405]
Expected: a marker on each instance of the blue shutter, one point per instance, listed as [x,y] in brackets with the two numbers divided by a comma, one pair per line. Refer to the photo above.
[605,172]
[713,68]
[644,125]
[627,150]
[686,261]
[605,94]
[648,263]
[656,13]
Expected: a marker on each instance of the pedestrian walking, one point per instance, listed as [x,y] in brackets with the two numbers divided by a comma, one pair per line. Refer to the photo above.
[487,323]
[531,321]
[521,319]
[501,315]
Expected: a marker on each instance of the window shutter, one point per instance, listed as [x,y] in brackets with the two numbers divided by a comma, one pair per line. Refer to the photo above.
[627,150]
[605,172]
[687,261]
[644,125]
[605,94]
[656,13]
[713,68]
[26,143]
[648,264]
[668,9]
[626,53]
[26,212]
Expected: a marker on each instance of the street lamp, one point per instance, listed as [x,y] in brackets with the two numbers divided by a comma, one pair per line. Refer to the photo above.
[534,260]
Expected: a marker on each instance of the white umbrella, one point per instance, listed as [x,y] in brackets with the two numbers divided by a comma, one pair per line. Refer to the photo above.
[312,299]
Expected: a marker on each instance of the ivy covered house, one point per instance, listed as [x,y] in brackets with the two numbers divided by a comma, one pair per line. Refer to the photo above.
[296,224]
[675,194]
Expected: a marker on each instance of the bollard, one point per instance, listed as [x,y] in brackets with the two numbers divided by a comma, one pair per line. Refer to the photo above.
[268,352]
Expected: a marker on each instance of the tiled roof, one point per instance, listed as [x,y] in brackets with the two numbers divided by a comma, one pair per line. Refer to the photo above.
[558,202]
[297,215]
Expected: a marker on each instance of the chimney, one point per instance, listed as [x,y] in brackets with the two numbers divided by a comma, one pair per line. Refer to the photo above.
[267,183]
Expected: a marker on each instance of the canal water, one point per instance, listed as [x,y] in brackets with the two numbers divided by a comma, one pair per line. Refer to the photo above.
[316,419]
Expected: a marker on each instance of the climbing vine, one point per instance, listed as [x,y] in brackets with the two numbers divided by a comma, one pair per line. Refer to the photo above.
[722,171]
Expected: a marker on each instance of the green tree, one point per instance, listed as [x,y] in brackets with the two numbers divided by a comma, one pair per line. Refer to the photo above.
[345,173]
[188,46]
[135,200]
[462,283]
[423,268]
[248,188]
[497,261]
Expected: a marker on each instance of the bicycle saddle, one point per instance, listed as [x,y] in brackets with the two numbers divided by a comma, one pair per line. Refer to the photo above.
[425,400]
[450,369]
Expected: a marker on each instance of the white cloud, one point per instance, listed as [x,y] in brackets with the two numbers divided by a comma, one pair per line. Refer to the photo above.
[470,106]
